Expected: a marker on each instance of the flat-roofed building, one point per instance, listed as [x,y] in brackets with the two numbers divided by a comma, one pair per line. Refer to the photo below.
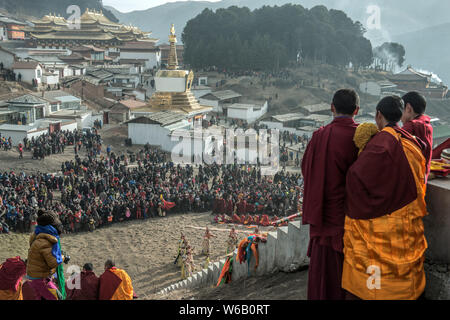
[218,99]
[320,108]
[249,112]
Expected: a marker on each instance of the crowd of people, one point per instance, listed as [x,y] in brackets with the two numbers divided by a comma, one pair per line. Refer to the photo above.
[5,143]
[102,189]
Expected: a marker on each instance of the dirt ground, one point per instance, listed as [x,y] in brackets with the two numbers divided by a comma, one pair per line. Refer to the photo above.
[146,249]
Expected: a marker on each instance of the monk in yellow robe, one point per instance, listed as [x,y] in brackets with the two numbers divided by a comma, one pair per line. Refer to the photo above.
[115,284]
[384,241]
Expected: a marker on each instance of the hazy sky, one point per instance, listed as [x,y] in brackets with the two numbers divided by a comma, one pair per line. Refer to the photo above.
[130,5]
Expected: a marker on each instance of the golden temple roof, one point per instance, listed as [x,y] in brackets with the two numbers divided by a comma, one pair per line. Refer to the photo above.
[92,16]
[94,25]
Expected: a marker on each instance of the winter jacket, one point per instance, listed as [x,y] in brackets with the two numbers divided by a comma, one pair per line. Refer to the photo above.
[41,263]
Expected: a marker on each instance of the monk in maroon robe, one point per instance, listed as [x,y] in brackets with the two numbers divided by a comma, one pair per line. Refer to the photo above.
[437,152]
[385,204]
[327,158]
[241,207]
[221,205]
[417,123]
[229,206]
[89,286]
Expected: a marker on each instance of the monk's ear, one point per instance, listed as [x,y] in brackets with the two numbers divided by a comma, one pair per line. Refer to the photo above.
[409,109]
[333,109]
[356,111]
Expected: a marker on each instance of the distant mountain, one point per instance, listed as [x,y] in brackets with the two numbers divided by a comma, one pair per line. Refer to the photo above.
[40,8]
[397,17]
[428,49]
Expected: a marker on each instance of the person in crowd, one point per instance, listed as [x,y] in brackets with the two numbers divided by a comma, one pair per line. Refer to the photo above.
[88,285]
[417,123]
[326,161]
[384,241]
[115,283]
[12,272]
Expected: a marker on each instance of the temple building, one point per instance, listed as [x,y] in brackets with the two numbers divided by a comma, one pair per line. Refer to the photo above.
[413,80]
[94,29]
[173,88]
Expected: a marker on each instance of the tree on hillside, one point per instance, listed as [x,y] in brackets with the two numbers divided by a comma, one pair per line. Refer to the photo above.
[389,55]
[269,38]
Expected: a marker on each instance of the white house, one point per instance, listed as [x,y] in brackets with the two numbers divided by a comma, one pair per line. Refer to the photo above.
[200,91]
[31,107]
[144,51]
[7,58]
[376,88]
[82,118]
[247,112]
[28,70]
[217,99]
[297,123]
[50,78]
[286,122]
[156,129]
[19,132]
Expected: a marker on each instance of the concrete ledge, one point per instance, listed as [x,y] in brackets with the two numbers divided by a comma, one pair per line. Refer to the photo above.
[239,269]
[217,270]
[204,277]
[195,280]
[282,250]
[262,267]
[437,224]
[210,273]
[272,238]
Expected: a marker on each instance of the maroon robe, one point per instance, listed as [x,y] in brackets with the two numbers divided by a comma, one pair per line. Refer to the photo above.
[221,206]
[241,207]
[421,128]
[108,284]
[381,182]
[327,158]
[229,207]
[89,287]
[250,208]
[11,273]
[438,151]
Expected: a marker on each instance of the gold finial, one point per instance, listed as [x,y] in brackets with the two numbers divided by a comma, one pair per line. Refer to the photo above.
[173,60]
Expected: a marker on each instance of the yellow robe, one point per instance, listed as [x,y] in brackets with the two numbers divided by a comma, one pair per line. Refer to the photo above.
[383,257]
[125,289]
[11,295]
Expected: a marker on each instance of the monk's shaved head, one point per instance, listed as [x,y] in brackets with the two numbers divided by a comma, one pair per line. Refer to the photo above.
[391,108]
[346,101]
[109,264]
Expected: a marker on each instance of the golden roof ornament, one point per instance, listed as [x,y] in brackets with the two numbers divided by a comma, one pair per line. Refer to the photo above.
[173,60]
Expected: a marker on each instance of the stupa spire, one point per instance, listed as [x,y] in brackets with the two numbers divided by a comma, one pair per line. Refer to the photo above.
[173,60]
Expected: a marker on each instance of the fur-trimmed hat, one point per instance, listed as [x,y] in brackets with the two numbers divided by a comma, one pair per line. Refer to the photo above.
[46,218]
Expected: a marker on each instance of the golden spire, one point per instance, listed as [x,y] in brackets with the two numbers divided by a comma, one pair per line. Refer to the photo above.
[173,60]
